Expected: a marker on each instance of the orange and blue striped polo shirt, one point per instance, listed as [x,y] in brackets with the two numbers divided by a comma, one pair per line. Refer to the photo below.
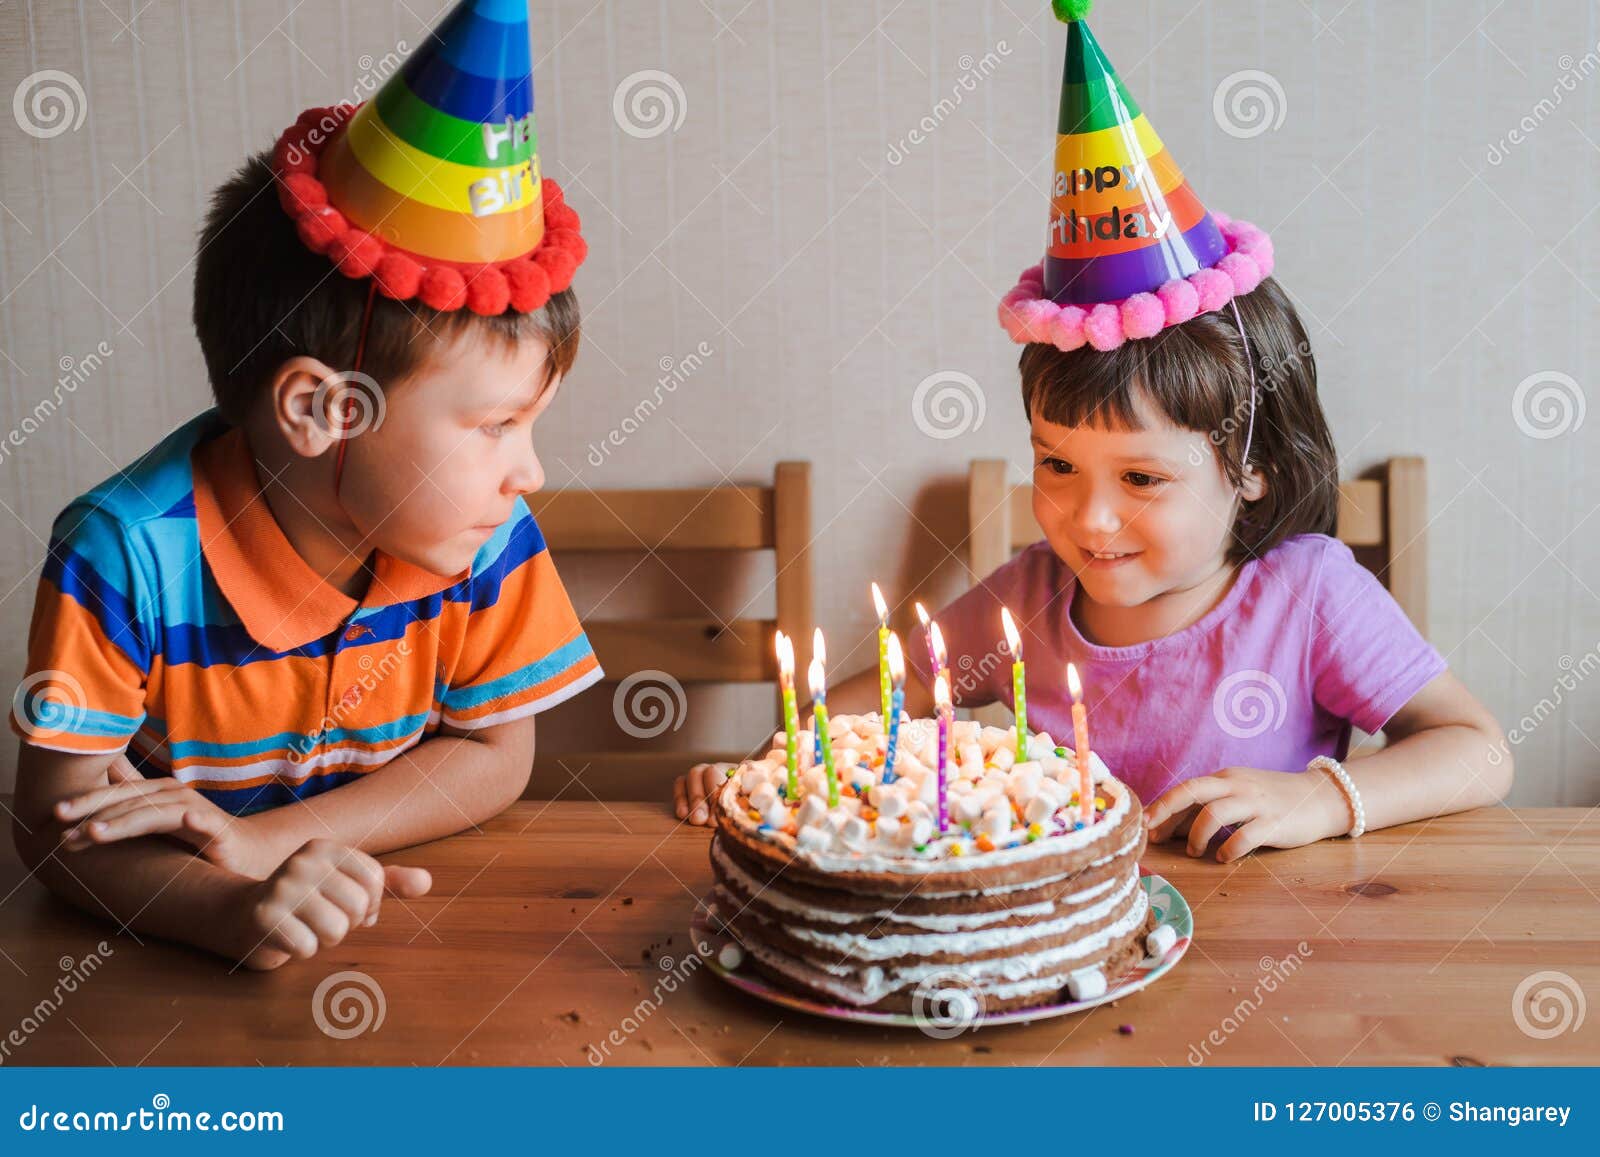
[174,619]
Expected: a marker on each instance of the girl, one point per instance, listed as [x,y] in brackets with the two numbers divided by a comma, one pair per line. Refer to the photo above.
[1226,642]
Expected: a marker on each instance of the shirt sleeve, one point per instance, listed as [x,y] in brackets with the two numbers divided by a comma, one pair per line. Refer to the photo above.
[1367,659]
[90,642]
[980,664]
[524,649]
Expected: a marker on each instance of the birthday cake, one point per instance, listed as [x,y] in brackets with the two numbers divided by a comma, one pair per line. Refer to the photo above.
[865,903]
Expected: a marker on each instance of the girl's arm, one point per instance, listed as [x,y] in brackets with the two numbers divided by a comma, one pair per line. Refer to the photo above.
[1446,754]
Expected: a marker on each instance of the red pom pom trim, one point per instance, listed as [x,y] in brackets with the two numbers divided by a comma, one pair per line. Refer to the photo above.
[522,283]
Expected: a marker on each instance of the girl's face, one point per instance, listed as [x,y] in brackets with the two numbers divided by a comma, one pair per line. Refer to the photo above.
[1135,513]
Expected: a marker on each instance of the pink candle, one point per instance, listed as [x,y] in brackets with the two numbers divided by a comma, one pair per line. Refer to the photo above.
[943,709]
[1080,744]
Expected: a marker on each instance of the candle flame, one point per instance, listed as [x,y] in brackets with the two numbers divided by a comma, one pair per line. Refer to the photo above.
[939,652]
[818,650]
[1013,640]
[1073,684]
[785,648]
[922,614]
[819,684]
[897,660]
[881,606]
[941,692]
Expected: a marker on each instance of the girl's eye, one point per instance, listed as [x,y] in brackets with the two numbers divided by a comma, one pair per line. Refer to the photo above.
[1055,465]
[1142,481]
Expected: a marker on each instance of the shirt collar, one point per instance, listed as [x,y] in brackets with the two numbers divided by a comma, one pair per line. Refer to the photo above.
[281,601]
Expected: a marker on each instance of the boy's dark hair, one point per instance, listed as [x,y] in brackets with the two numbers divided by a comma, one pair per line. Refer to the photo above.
[1195,373]
[261,297]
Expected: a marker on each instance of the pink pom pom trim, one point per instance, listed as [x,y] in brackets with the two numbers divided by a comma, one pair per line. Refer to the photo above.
[1028,316]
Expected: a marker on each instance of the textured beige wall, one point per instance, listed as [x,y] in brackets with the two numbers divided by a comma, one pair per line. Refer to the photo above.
[829,264]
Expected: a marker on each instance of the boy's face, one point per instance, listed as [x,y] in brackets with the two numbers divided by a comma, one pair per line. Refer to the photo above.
[431,484]
[1129,510]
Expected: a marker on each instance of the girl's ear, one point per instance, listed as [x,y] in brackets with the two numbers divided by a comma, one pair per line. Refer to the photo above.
[1254,487]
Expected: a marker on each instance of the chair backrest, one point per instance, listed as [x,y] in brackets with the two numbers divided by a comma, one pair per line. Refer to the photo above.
[1383,518]
[694,649]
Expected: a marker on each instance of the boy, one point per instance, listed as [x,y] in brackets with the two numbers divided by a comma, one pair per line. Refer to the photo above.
[331,581]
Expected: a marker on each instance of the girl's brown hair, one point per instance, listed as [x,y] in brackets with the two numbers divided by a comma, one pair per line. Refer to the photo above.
[1196,374]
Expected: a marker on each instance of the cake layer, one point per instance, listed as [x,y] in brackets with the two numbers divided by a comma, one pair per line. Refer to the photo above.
[999,982]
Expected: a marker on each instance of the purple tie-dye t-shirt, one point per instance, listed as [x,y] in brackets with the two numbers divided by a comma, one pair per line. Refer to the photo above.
[1304,644]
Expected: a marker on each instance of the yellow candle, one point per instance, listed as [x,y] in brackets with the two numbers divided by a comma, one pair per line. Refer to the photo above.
[819,708]
[791,714]
[885,690]
[1080,740]
[1019,689]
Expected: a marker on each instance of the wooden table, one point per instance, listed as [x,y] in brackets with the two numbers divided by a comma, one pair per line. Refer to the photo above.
[558,925]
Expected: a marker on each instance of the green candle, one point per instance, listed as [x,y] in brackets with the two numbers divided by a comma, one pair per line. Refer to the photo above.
[1019,682]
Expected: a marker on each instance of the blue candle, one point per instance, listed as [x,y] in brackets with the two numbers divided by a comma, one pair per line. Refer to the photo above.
[897,702]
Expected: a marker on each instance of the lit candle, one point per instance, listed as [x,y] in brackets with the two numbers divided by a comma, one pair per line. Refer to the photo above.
[1019,689]
[1080,740]
[883,650]
[819,711]
[897,701]
[941,701]
[929,628]
[791,713]
[819,660]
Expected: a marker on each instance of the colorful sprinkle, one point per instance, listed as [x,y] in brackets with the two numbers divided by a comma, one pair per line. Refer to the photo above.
[985,844]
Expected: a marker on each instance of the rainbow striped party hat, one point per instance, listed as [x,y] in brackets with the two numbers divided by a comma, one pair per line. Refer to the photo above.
[1131,249]
[433,188]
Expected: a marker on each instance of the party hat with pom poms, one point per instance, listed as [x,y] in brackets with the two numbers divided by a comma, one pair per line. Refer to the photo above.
[433,188]
[1131,249]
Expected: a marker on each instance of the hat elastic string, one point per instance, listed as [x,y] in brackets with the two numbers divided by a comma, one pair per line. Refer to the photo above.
[349,403]
[1250,429]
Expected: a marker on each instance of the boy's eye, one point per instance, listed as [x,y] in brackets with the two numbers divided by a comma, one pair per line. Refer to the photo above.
[1056,465]
[497,429]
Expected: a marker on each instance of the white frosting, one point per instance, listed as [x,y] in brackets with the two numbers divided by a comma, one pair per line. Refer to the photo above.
[1163,938]
[858,946]
[1036,973]
[775,898]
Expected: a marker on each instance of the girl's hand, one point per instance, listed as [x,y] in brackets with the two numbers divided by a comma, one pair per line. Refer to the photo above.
[1271,809]
[693,791]
[131,806]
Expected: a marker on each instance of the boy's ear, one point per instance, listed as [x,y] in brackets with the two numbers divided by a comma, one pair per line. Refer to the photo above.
[1254,487]
[300,397]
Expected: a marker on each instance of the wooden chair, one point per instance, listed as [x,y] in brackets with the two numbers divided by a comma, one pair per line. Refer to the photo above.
[696,649]
[1383,519]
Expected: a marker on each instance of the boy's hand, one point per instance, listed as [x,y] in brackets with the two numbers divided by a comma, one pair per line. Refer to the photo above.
[693,791]
[1276,809]
[131,806]
[313,900]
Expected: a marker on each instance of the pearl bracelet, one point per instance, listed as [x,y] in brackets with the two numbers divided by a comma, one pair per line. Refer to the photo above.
[1334,768]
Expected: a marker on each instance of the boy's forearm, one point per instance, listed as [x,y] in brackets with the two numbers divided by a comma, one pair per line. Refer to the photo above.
[148,885]
[442,786]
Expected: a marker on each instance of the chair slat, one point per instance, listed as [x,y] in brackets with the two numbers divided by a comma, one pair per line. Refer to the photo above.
[690,650]
[726,518]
